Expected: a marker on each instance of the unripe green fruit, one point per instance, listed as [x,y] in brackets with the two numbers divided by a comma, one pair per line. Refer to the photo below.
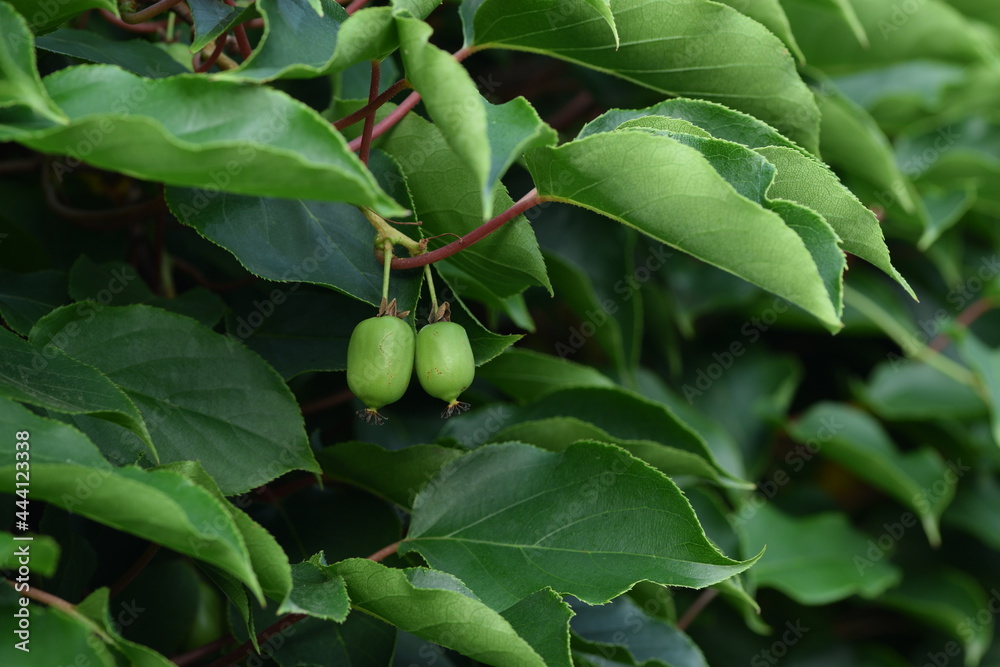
[445,365]
[380,361]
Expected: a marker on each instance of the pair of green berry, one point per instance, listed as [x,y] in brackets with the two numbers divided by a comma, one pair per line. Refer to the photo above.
[383,351]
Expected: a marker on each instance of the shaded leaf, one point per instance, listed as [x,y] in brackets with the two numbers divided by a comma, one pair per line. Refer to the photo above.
[163,506]
[296,42]
[167,365]
[291,240]
[135,55]
[27,297]
[396,475]
[985,362]
[950,600]
[47,378]
[527,375]
[817,559]
[917,479]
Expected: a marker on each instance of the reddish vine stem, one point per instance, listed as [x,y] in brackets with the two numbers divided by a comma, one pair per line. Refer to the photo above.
[696,608]
[355,6]
[976,310]
[38,595]
[366,135]
[328,402]
[194,655]
[285,622]
[143,27]
[242,41]
[240,32]
[526,202]
[387,123]
[149,12]
[377,103]
[138,566]
[199,66]
[205,282]
[405,107]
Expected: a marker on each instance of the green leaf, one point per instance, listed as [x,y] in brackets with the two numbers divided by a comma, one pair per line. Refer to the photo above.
[542,619]
[692,209]
[556,434]
[296,43]
[317,591]
[268,559]
[512,128]
[135,55]
[27,297]
[717,120]
[418,9]
[369,34]
[950,600]
[19,82]
[974,509]
[591,521]
[172,366]
[818,559]
[291,240]
[396,475]
[450,97]
[437,607]
[624,416]
[446,199]
[919,479]
[853,142]
[44,17]
[95,607]
[931,30]
[770,14]
[272,145]
[45,377]
[43,552]
[985,363]
[843,10]
[213,17]
[526,375]
[163,506]
[70,637]
[915,391]
[60,443]
[810,183]
[698,49]
[623,625]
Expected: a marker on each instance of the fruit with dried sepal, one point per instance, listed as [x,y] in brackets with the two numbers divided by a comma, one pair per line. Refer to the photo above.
[445,364]
[379,363]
